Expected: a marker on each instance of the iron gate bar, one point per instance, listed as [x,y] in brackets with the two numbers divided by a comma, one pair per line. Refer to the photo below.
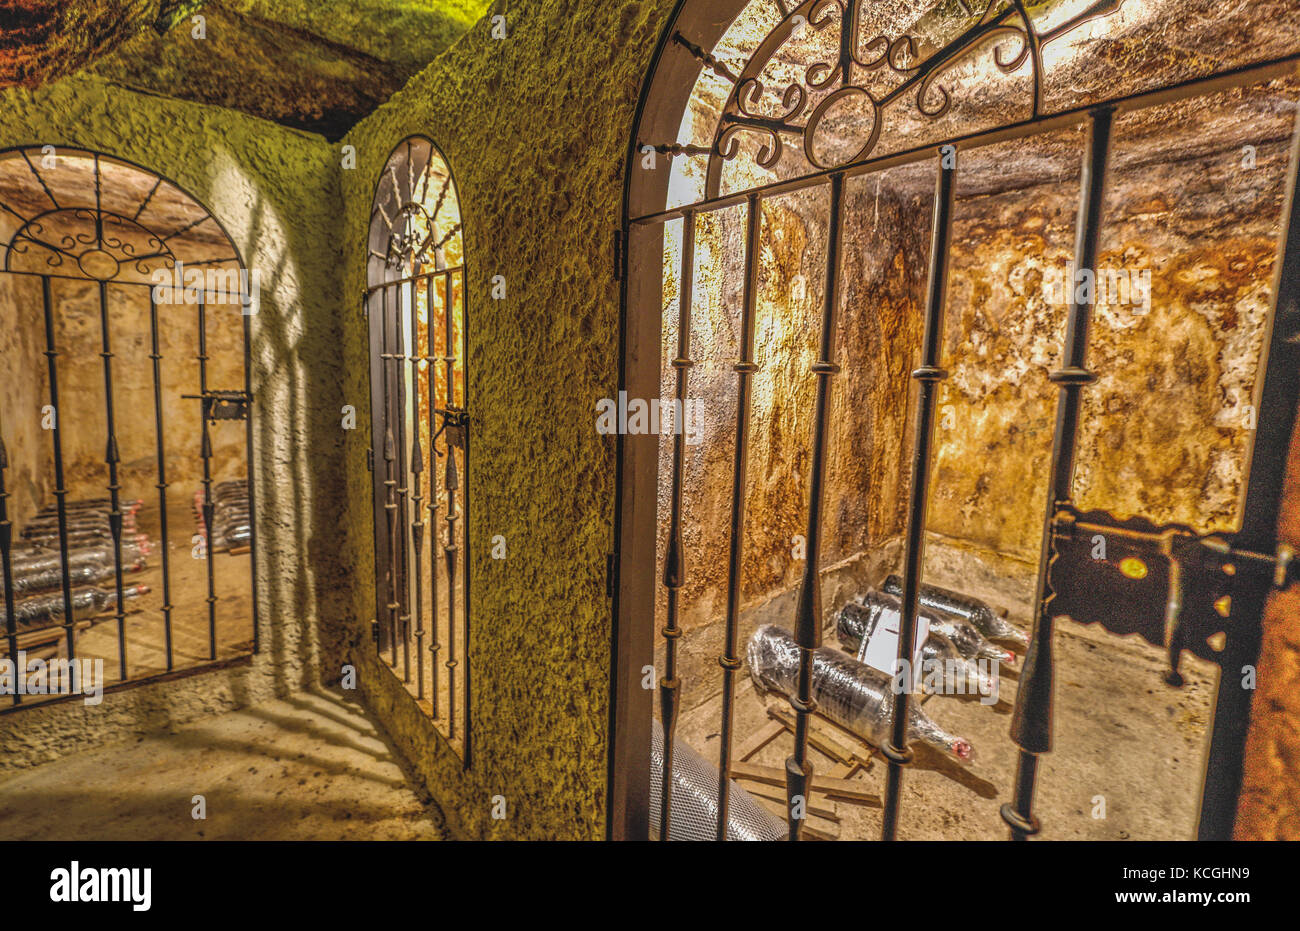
[155,355]
[675,567]
[417,500]
[209,507]
[1031,722]
[808,613]
[60,487]
[111,457]
[927,376]
[1065,119]
[745,367]
[451,482]
[1276,402]
[6,567]
[435,530]
[403,488]
[390,479]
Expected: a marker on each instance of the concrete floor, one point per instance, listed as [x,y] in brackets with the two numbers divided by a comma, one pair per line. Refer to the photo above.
[310,767]
[1122,735]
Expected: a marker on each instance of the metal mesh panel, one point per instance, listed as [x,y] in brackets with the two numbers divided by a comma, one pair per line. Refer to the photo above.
[694,814]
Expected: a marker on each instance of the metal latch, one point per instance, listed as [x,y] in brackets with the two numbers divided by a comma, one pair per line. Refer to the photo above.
[1171,586]
[223,405]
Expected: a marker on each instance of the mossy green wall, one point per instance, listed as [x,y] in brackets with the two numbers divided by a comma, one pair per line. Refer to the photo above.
[276,191]
[535,126]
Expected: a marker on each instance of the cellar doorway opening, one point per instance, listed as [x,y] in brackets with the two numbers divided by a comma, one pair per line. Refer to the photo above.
[126,507]
[420,448]
[980,309]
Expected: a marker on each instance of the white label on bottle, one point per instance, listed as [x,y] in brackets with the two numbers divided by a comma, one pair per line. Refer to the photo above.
[881,649]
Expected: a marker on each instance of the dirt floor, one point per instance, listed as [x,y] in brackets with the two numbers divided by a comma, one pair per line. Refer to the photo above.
[310,767]
[1122,736]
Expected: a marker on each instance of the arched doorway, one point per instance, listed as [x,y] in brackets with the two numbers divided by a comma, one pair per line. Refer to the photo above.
[417,307]
[826,203]
[125,487]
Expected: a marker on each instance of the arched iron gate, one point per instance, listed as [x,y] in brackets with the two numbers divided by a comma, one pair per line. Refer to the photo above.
[69,216]
[416,304]
[1190,573]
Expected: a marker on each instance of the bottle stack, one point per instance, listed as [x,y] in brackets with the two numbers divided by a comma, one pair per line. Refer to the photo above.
[232,525]
[37,563]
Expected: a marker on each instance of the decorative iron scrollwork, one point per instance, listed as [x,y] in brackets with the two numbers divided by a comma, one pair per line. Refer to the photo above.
[1004,23]
[1166,583]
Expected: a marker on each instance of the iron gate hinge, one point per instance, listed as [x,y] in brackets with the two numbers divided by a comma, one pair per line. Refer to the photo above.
[620,253]
[374,631]
[370,459]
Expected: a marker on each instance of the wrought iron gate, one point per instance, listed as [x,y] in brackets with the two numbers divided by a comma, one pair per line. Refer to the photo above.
[84,222]
[1176,601]
[420,453]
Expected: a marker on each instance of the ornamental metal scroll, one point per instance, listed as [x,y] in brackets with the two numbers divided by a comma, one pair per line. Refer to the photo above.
[921,74]
[77,235]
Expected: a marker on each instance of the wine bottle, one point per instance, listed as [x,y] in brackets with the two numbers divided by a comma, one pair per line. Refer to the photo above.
[970,643]
[960,676]
[50,578]
[848,692]
[42,610]
[979,614]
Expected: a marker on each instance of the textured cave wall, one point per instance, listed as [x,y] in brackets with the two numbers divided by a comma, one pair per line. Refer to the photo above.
[22,346]
[1269,808]
[535,128]
[276,193]
[77,335]
[881,303]
[44,40]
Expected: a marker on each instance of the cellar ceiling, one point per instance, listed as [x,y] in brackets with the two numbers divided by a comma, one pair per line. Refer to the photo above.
[316,65]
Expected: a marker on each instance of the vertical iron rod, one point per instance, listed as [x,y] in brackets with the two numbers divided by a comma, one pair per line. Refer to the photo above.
[452,483]
[6,569]
[417,495]
[60,488]
[245,302]
[209,508]
[390,478]
[674,561]
[927,376]
[111,458]
[1031,723]
[808,614]
[159,445]
[745,367]
[403,488]
[435,532]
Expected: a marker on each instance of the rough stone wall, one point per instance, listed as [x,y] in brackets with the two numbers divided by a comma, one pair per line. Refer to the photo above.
[535,128]
[77,335]
[21,348]
[276,192]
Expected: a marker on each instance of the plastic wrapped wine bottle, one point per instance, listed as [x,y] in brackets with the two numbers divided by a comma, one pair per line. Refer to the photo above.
[50,578]
[985,619]
[41,610]
[850,693]
[32,559]
[970,643]
[857,622]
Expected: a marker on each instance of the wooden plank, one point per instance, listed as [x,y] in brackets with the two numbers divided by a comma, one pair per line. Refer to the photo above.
[823,739]
[758,740]
[774,776]
[807,830]
[827,814]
